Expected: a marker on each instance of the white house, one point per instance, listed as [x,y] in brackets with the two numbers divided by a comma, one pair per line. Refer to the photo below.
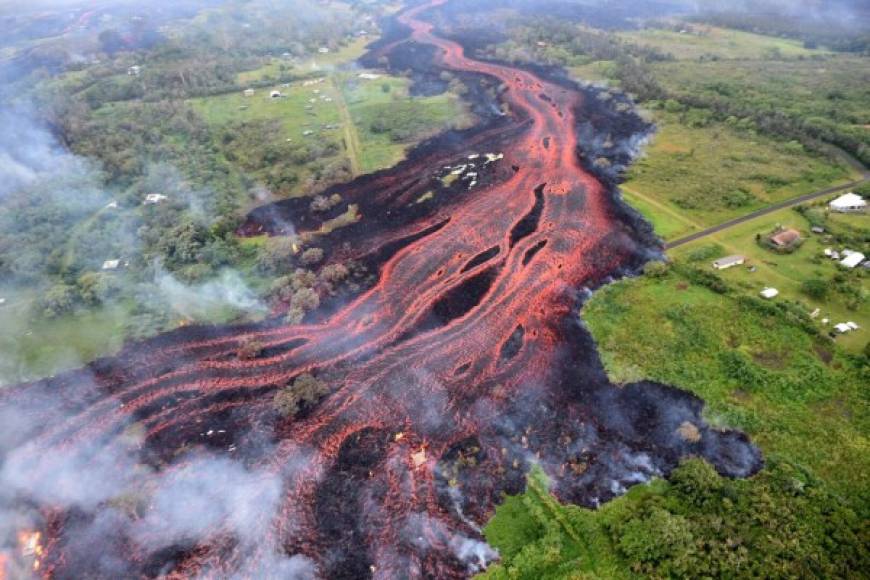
[134,70]
[111,264]
[248,92]
[728,262]
[154,198]
[848,203]
[769,293]
[852,260]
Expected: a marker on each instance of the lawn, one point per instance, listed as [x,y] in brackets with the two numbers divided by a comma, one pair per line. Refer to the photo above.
[705,41]
[695,177]
[31,347]
[786,272]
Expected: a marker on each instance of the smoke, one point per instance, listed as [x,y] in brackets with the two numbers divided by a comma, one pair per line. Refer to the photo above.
[199,301]
[424,533]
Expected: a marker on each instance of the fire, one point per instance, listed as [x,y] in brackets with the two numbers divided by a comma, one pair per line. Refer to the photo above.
[30,544]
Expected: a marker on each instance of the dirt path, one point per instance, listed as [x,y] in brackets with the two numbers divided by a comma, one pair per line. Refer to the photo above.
[351,137]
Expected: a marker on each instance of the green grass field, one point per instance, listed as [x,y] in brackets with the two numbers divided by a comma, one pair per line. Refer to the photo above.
[786,272]
[695,177]
[347,103]
[33,348]
[706,41]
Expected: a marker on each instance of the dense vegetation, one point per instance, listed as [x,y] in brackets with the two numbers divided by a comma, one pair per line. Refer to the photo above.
[758,369]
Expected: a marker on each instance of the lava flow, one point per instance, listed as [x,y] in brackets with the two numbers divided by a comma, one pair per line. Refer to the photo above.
[462,366]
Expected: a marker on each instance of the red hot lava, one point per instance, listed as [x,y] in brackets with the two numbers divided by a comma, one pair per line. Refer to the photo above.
[463,365]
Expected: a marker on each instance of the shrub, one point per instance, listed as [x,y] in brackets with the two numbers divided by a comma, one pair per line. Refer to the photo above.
[249,349]
[815,288]
[312,256]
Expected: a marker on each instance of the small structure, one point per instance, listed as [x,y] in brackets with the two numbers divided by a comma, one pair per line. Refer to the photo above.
[2,301]
[817,230]
[248,92]
[728,262]
[323,50]
[275,95]
[112,205]
[419,458]
[111,265]
[134,70]
[845,327]
[786,238]
[154,198]
[769,293]
[852,259]
[369,76]
[849,203]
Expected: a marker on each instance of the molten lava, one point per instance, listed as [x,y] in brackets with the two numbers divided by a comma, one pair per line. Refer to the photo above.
[463,365]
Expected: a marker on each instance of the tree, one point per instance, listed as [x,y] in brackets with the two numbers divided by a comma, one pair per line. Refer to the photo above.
[277,255]
[249,349]
[815,288]
[312,256]
[58,300]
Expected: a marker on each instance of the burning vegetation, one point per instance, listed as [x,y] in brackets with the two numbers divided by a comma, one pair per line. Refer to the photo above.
[371,435]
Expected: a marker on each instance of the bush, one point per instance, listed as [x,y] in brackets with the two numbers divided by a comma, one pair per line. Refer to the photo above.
[815,288]
[305,391]
[249,349]
[312,256]
[58,300]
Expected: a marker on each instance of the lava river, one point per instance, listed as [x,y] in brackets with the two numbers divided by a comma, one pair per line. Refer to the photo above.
[459,368]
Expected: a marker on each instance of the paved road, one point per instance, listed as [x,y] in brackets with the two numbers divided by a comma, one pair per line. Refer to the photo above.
[770,209]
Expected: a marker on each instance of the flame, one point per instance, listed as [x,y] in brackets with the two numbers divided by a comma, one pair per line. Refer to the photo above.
[30,543]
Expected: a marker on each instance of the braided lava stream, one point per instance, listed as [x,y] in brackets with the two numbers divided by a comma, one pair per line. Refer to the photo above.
[462,366]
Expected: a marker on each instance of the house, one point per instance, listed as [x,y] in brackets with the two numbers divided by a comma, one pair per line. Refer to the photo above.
[134,70]
[248,92]
[728,262]
[817,230]
[852,259]
[154,198]
[110,265]
[369,76]
[849,203]
[769,293]
[786,238]
[323,50]
[112,205]
[275,95]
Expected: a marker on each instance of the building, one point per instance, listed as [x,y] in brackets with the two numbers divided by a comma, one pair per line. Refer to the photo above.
[134,70]
[786,238]
[818,230]
[323,50]
[110,265]
[728,262]
[852,259]
[769,293]
[154,198]
[248,92]
[275,94]
[845,327]
[849,203]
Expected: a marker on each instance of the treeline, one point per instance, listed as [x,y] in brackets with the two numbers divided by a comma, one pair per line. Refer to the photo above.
[813,32]
[565,44]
